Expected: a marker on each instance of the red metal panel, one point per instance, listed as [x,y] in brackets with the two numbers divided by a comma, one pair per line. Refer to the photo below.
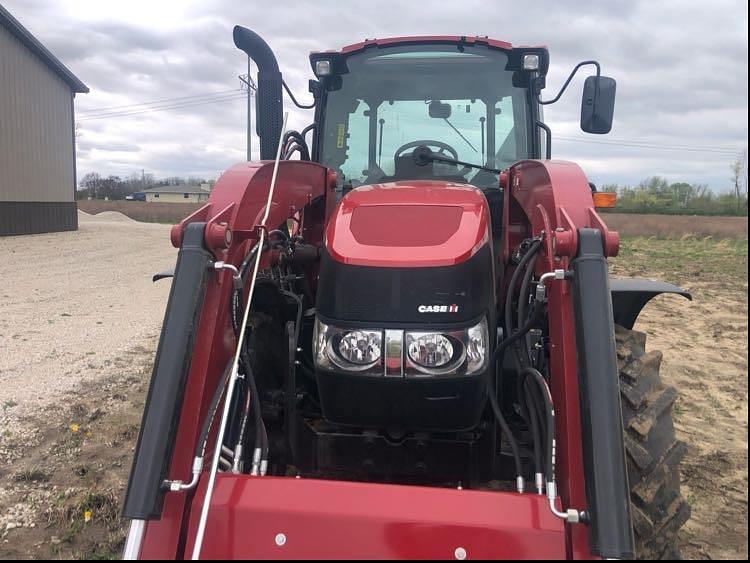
[414,230]
[372,226]
[340,520]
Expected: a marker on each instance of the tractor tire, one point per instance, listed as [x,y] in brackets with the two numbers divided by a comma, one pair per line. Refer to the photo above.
[652,451]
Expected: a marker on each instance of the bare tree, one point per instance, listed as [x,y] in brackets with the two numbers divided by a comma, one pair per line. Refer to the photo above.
[739,177]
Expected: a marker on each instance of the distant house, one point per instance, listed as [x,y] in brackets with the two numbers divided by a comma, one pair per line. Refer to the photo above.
[177,194]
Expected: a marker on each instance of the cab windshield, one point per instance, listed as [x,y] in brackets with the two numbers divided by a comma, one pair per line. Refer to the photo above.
[458,100]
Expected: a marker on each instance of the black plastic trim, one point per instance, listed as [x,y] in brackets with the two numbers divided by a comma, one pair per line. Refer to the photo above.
[153,454]
[607,489]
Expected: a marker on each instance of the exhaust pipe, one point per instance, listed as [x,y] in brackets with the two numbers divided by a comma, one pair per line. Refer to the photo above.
[269,104]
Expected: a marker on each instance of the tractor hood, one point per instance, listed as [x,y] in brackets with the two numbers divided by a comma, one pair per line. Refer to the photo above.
[408,224]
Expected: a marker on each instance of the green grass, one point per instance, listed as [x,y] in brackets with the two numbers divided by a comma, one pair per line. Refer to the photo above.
[685,259]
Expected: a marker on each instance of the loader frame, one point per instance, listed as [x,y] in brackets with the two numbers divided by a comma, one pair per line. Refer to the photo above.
[548,199]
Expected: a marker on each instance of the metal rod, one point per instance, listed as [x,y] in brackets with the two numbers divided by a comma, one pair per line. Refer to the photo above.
[135,540]
[235,363]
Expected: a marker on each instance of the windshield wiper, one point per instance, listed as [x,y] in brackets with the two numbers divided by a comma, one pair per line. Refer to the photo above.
[459,134]
[422,156]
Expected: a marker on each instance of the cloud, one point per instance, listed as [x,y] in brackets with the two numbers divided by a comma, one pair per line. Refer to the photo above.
[681,69]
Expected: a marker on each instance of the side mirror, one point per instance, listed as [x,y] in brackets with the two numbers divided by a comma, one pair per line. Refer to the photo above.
[598,104]
[439,110]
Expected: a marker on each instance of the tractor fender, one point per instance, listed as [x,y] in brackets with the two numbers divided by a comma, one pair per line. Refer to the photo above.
[630,296]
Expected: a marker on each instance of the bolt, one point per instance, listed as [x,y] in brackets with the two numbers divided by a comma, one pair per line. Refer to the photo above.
[460,553]
[280,539]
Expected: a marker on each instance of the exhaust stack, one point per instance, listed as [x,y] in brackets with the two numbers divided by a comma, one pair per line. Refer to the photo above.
[269,103]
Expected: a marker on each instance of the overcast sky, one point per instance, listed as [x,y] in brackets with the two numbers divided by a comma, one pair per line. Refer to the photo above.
[680,66]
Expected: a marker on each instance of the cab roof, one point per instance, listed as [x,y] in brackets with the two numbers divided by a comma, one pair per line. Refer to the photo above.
[430,39]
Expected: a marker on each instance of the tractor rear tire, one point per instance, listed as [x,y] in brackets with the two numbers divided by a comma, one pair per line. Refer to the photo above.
[653,453]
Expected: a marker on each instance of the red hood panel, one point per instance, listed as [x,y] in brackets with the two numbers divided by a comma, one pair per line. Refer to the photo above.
[418,224]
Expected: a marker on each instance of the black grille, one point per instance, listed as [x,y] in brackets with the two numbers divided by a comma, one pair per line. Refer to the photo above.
[393,295]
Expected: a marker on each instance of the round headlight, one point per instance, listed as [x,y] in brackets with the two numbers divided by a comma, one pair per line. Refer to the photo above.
[360,347]
[431,350]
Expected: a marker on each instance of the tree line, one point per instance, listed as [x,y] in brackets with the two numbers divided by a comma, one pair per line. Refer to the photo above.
[94,185]
[658,195]
[653,195]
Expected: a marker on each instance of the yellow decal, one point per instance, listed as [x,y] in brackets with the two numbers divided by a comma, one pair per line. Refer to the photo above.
[340,136]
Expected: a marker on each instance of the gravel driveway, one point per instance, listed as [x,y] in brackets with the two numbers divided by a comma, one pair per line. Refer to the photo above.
[71,302]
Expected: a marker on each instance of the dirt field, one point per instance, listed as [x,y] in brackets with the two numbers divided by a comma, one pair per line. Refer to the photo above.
[77,339]
[706,359]
[675,226]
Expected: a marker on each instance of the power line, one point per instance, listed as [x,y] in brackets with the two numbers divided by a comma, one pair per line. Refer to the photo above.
[649,145]
[159,101]
[211,99]
[165,108]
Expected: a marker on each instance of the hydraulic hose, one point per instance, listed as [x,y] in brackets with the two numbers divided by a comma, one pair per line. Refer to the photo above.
[541,384]
[200,449]
[525,354]
[520,269]
[260,445]
[253,400]
[536,434]
[492,392]
[497,359]
[239,448]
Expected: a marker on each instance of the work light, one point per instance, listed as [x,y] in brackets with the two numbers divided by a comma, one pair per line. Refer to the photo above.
[322,67]
[531,62]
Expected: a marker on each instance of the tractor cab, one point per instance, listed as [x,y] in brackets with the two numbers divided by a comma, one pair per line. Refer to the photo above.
[449,109]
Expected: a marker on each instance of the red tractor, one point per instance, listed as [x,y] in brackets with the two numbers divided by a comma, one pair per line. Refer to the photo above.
[400,339]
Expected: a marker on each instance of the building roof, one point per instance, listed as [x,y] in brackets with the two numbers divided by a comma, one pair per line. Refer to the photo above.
[33,45]
[183,189]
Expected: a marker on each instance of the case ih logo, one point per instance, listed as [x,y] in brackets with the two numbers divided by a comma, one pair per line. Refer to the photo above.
[438,308]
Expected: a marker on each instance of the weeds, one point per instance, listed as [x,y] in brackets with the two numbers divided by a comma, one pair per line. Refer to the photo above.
[31,476]
[9,404]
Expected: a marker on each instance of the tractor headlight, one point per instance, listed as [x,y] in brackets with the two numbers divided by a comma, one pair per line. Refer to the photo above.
[360,347]
[407,353]
[457,352]
[349,349]
[430,350]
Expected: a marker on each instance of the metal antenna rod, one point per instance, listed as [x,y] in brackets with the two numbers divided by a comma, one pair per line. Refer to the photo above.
[235,363]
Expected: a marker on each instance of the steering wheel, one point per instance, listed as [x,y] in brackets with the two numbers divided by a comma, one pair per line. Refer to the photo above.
[444,149]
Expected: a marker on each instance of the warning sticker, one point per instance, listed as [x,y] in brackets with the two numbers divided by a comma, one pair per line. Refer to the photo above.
[340,136]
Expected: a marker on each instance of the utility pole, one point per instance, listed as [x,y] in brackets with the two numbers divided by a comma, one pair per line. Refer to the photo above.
[249,83]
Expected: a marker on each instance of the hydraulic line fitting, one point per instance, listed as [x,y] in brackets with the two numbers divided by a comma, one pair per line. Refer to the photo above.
[181,486]
[236,277]
[541,288]
[520,484]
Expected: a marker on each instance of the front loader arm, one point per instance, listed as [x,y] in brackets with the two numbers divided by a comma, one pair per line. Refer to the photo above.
[552,200]
[197,339]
